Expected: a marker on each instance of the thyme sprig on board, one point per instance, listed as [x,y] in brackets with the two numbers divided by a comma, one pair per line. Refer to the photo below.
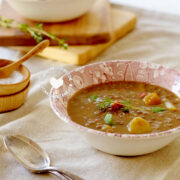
[37,31]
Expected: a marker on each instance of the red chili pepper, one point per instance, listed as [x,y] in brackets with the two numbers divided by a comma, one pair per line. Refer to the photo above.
[117,105]
[142,95]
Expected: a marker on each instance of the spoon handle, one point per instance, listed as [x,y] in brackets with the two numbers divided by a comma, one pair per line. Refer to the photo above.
[38,48]
[60,176]
[67,175]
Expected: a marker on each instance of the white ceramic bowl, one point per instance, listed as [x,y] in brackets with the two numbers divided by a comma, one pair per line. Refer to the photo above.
[114,143]
[51,10]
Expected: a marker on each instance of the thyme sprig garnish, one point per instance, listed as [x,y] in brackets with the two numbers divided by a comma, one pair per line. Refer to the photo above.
[114,105]
[93,97]
[37,31]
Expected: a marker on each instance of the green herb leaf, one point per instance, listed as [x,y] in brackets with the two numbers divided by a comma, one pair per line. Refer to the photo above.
[93,97]
[52,36]
[109,101]
[61,42]
[125,109]
[108,119]
[23,27]
[39,25]
[102,106]
[127,102]
[158,109]
[65,46]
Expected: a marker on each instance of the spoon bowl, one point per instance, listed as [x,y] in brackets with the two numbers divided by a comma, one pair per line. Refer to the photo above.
[33,157]
[28,153]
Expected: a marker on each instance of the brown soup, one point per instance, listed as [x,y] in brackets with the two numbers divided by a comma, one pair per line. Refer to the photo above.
[125,107]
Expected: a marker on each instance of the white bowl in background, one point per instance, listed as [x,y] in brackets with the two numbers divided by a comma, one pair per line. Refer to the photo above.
[104,72]
[51,10]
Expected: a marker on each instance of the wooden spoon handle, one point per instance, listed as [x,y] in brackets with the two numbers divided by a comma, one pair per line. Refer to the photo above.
[39,47]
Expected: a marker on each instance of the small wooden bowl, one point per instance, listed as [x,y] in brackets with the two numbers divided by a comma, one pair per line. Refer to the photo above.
[11,102]
[8,89]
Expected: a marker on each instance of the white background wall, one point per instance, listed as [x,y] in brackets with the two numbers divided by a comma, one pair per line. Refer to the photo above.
[167,6]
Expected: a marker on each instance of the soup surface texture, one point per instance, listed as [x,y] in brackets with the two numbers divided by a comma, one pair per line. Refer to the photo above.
[125,108]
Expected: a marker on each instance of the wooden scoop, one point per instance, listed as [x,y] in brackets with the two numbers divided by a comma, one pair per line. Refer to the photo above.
[6,71]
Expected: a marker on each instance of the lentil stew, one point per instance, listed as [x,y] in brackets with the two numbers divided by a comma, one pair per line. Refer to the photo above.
[125,108]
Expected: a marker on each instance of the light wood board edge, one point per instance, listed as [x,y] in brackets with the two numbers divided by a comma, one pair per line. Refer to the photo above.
[79,55]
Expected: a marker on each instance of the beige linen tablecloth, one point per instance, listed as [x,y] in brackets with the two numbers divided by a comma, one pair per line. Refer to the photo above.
[155,39]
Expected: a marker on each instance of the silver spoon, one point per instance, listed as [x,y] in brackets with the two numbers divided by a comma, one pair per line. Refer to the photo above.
[33,157]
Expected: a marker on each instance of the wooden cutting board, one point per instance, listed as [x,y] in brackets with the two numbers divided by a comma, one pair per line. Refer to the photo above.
[92,28]
[122,23]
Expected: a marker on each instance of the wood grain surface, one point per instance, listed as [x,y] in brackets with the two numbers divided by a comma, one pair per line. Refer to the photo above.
[13,101]
[122,23]
[92,28]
